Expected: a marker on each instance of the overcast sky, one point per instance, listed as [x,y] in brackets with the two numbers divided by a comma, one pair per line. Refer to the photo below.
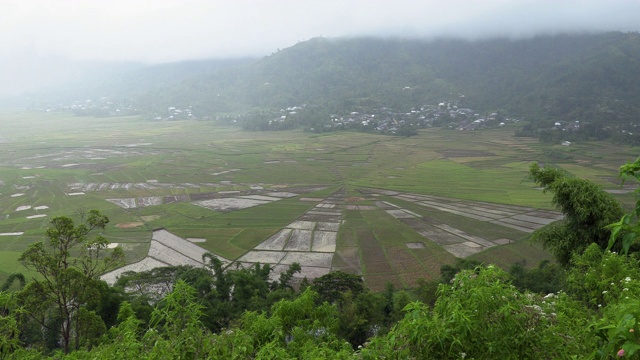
[170,30]
[154,31]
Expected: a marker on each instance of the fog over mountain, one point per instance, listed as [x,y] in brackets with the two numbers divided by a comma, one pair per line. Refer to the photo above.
[42,41]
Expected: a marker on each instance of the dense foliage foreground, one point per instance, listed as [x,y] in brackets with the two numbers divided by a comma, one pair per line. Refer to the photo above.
[482,312]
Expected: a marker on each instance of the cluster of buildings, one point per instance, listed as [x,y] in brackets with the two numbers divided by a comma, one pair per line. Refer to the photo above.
[174,113]
[102,107]
[393,122]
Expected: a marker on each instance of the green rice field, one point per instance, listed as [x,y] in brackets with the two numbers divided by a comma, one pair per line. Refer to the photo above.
[146,175]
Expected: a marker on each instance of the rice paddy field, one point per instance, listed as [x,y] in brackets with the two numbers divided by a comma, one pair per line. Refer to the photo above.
[393,209]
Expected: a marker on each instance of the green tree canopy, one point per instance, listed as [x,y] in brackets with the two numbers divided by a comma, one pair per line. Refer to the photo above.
[587,209]
[68,264]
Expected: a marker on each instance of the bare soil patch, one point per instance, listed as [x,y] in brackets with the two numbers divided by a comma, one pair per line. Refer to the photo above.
[520,223]
[546,214]
[328,226]
[354,199]
[149,201]
[229,204]
[326,206]
[129,225]
[175,198]
[461,250]
[276,241]
[300,240]
[145,264]
[400,214]
[311,272]
[263,257]
[512,226]
[302,225]
[308,259]
[366,207]
[384,205]
[181,245]
[225,172]
[464,235]
[128,203]
[311,199]
[324,241]
[260,197]
[320,217]
[415,245]
[281,194]
[168,255]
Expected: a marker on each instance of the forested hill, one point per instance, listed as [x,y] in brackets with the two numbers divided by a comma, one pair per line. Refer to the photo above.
[568,77]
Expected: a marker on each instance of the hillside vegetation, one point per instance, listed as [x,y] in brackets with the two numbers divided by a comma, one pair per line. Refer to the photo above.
[548,79]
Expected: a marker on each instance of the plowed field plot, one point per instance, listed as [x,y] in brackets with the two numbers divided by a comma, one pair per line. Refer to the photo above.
[145,264]
[312,216]
[282,194]
[275,242]
[300,240]
[515,217]
[360,207]
[262,257]
[455,241]
[311,272]
[129,203]
[307,241]
[308,259]
[400,214]
[311,199]
[463,250]
[175,198]
[325,206]
[302,225]
[166,249]
[415,245]
[181,245]
[168,255]
[149,201]
[386,205]
[328,226]
[202,196]
[260,197]
[229,204]
[324,241]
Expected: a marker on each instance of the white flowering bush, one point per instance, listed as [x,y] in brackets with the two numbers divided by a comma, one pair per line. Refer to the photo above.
[600,278]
